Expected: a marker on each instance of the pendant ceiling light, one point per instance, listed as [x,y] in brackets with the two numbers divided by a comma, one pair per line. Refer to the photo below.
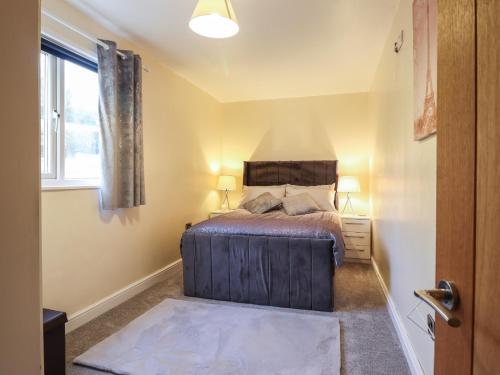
[214,19]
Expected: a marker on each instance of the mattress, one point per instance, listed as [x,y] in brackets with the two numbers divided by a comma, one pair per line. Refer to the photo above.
[240,222]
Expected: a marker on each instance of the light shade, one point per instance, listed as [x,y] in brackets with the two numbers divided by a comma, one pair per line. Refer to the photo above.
[348,184]
[226,183]
[214,19]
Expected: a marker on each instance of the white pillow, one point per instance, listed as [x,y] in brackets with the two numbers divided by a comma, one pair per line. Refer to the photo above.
[252,192]
[323,195]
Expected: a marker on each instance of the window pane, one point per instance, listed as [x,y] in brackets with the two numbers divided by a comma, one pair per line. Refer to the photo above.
[81,129]
[46,138]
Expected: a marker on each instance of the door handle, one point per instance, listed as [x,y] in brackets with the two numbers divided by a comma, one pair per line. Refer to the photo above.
[443,300]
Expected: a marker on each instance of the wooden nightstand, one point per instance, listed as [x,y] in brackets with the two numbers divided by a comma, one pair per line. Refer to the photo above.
[217,213]
[357,237]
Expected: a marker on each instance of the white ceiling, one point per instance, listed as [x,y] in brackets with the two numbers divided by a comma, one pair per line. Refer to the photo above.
[285,48]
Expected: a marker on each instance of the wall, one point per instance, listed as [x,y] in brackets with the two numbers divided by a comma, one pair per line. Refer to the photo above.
[403,186]
[187,134]
[189,138]
[183,147]
[20,312]
[313,128]
[89,254]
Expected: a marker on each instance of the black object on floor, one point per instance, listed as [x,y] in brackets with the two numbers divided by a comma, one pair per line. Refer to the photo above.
[54,343]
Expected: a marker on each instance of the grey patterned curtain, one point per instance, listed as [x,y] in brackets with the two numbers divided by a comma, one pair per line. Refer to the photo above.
[120,115]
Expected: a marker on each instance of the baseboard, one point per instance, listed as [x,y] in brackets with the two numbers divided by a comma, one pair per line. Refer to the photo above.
[397,321]
[93,311]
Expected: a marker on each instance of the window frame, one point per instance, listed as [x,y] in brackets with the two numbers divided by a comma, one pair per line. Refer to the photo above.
[51,121]
[57,55]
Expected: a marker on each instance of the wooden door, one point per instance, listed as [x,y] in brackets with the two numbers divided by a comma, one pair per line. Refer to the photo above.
[456,169]
[468,191]
[486,346]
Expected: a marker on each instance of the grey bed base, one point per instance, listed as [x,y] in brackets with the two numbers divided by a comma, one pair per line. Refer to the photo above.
[276,271]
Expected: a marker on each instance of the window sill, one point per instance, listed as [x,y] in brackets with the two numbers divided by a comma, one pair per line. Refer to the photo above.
[69,185]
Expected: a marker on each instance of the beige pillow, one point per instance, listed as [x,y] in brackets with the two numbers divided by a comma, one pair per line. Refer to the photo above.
[252,192]
[299,204]
[323,195]
[263,203]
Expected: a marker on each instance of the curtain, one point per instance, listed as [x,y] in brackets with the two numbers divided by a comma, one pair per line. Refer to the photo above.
[120,115]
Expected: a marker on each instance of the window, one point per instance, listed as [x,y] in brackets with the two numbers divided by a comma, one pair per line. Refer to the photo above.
[69,127]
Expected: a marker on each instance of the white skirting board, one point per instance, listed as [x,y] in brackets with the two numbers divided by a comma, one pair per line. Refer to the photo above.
[411,356]
[93,311]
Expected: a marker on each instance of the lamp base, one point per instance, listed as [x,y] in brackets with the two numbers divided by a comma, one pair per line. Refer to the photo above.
[225,202]
[348,203]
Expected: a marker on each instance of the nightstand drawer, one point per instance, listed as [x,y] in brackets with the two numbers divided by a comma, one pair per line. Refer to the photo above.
[360,252]
[355,225]
[354,239]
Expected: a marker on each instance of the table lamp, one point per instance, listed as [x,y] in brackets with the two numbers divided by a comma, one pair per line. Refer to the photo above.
[348,184]
[226,184]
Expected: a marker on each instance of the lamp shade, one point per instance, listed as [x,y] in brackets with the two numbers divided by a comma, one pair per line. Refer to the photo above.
[214,19]
[226,183]
[348,184]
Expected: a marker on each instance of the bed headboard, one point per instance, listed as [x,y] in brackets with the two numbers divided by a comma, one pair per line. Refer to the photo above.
[305,173]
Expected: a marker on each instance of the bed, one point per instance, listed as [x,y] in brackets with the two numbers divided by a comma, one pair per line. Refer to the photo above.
[271,258]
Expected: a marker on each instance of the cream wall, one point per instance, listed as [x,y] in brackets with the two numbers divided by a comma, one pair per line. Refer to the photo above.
[189,138]
[403,187]
[89,254]
[313,128]
[20,311]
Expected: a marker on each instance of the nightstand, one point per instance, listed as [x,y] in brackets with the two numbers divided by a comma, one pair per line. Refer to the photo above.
[357,237]
[218,213]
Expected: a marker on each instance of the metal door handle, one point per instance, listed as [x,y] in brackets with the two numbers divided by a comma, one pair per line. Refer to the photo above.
[443,300]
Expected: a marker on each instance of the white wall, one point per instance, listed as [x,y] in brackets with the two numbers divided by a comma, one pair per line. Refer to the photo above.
[314,128]
[20,306]
[403,186]
[189,138]
[89,254]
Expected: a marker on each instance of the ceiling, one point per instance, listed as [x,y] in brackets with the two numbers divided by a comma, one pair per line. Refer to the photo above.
[285,48]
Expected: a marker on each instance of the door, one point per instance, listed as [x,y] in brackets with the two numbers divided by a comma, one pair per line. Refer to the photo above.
[486,344]
[468,191]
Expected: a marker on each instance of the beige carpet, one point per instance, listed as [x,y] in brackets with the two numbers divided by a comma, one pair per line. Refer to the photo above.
[368,342]
[188,337]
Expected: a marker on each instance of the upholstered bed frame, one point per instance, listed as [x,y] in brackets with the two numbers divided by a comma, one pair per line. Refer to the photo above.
[264,270]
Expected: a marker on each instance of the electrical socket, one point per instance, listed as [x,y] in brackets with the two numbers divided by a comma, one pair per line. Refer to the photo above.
[431,325]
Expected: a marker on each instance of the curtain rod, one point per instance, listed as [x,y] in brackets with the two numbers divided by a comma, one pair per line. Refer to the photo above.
[85,35]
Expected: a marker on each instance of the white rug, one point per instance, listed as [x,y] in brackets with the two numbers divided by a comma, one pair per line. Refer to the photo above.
[196,338]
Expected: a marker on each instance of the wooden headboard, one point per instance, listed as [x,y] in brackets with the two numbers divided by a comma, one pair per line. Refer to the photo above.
[305,173]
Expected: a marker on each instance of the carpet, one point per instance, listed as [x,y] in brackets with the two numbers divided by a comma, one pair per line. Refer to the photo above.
[187,337]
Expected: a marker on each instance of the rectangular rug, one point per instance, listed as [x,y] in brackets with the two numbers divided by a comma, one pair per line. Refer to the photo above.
[188,338]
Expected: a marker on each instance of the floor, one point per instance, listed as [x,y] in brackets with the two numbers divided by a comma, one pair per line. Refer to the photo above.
[369,342]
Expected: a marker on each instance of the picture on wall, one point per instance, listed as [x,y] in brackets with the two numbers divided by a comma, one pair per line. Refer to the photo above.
[425,67]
